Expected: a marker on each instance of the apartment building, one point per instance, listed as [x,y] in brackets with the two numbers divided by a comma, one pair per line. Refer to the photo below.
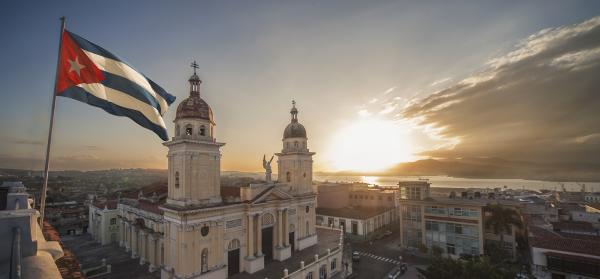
[453,226]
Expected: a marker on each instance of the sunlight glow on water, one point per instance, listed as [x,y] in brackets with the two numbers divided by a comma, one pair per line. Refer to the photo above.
[453,182]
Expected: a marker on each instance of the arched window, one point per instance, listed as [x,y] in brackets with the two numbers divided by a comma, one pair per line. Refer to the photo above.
[204,260]
[288,176]
[188,130]
[176,179]
[296,144]
[202,130]
[309,275]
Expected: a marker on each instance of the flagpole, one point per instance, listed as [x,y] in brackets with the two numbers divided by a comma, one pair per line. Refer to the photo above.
[47,164]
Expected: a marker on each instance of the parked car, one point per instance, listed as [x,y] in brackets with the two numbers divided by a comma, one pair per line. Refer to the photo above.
[379,236]
[394,273]
[355,256]
[403,268]
[387,233]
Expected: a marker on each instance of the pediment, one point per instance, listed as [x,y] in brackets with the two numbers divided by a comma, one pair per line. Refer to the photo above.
[272,194]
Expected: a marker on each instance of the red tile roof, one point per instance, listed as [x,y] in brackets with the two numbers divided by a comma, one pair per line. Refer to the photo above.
[543,238]
[111,204]
[573,226]
[68,265]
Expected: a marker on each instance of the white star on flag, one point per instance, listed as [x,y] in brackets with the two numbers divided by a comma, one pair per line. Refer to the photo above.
[75,66]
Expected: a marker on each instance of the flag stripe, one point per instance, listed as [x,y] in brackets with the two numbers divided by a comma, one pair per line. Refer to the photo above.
[121,69]
[123,100]
[81,95]
[128,87]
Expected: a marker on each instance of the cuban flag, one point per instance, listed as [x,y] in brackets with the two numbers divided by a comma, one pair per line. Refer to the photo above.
[90,74]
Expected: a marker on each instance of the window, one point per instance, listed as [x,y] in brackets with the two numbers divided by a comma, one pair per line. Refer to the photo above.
[113,221]
[188,130]
[309,275]
[204,261]
[307,209]
[296,144]
[323,272]
[202,130]
[333,264]
[450,249]
[176,179]
[288,176]
[307,228]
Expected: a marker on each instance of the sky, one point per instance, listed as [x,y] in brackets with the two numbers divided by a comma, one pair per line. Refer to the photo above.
[376,82]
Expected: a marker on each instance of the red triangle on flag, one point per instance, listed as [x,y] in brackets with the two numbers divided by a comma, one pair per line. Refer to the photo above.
[74,66]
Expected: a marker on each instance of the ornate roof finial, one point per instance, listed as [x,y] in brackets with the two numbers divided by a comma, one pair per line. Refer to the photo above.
[195,66]
[294,111]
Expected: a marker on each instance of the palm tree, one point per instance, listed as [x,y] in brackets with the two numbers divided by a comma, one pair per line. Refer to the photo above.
[501,220]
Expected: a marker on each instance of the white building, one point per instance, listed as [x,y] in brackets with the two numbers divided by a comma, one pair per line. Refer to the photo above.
[103,225]
[194,228]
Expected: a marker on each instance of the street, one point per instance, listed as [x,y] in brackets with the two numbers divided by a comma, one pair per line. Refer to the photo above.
[378,257]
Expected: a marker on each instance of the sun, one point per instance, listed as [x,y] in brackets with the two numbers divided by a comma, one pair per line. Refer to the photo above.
[370,144]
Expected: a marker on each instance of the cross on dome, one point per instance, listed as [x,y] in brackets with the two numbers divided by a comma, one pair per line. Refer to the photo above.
[195,66]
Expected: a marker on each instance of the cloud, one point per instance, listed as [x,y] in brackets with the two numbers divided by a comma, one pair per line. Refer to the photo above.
[25,142]
[540,102]
[440,81]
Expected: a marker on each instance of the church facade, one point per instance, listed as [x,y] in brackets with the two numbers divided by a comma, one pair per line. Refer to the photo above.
[194,228]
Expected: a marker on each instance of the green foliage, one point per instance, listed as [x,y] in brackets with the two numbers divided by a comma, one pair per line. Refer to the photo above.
[437,251]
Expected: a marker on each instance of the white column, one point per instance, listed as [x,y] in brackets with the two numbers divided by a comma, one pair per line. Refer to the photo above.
[142,249]
[152,252]
[258,235]
[286,227]
[279,228]
[127,236]
[134,242]
[250,244]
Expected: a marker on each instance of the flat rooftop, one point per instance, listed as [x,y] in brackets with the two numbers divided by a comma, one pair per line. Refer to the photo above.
[360,213]
[327,239]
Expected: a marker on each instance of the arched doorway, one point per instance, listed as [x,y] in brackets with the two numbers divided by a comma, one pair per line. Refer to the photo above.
[267,235]
[233,257]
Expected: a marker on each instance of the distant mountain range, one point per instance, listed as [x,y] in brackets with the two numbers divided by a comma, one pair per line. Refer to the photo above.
[489,168]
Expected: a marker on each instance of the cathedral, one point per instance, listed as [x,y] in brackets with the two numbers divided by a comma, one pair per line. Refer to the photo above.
[193,228]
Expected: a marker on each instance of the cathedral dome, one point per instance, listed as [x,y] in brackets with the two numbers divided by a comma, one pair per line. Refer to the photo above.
[294,129]
[194,106]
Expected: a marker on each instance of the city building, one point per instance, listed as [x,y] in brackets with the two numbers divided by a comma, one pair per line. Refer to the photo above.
[360,221]
[194,228]
[357,208]
[453,226]
[103,225]
[563,255]
[592,197]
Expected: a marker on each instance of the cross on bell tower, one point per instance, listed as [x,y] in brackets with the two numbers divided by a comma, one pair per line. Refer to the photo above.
[194,80]
[195,66]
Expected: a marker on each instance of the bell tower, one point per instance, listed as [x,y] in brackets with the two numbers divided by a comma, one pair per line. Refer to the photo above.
[295,160]
[194,154]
